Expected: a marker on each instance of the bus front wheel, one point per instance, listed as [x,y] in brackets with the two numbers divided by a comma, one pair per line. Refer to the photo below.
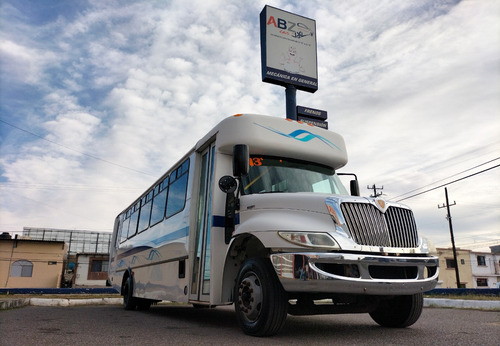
[399,311]
[260,302]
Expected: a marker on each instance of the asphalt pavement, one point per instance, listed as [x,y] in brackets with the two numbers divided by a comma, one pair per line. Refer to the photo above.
[9,303]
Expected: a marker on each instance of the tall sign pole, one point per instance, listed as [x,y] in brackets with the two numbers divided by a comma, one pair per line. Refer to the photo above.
[288,54]
[291,102]
[448,216]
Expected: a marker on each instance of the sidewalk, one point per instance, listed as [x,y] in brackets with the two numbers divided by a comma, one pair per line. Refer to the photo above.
[8,303]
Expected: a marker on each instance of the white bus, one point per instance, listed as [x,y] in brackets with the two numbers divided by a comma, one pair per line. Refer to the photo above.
[256,215]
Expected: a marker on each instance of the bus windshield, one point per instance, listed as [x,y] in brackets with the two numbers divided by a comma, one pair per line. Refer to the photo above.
[275,174]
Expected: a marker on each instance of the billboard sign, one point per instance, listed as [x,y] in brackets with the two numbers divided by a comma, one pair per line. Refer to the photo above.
[288,49]
[314,122]
[312,113]
[312,116]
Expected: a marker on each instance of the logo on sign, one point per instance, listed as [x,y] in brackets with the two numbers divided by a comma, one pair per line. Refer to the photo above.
[295,30]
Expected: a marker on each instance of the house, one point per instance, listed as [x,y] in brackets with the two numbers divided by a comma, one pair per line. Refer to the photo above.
[485,269]
[78,242]
[26,263]
[447,274]
[477,269]
[91,269]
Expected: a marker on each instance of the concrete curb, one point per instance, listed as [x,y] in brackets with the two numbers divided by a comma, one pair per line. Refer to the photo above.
[13,303]
[493,305]
[74,302]
[9,303]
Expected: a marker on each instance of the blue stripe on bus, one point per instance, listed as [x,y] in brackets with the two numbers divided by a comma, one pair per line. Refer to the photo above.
[132,251]
[181,233]
[220,220]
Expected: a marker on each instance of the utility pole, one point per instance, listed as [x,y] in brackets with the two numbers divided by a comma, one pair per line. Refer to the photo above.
[374,188]
[448,216]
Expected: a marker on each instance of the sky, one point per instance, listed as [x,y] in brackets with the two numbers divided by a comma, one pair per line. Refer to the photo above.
[99,98]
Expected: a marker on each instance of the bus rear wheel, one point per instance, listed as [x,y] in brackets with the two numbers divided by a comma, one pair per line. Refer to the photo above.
[129,301]
[261,304]
[399,311]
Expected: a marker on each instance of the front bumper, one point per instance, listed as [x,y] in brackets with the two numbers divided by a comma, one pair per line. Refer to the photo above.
[355,273]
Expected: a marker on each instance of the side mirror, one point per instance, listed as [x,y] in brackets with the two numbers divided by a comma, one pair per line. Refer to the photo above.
[354,186]
[241,158]
[228,184]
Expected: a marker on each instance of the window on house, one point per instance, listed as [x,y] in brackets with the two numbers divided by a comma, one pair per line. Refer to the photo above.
[450,263]
[99,266]
[22,268]
[481,260]
[482,282]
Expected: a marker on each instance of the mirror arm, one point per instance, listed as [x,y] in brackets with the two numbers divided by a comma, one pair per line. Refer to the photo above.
[353,184]
[229,217]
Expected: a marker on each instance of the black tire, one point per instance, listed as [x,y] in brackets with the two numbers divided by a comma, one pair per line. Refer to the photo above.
[200,306]
[129,301]
[260,302]
[399,312]
[143,304]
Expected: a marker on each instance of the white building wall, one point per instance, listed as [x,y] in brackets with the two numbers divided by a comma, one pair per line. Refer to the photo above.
[82,271]
[488,270]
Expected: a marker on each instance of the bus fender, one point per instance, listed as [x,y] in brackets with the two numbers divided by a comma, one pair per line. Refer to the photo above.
[241,248]
[128,273]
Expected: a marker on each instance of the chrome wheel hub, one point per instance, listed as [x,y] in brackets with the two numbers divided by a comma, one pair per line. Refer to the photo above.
[250,297]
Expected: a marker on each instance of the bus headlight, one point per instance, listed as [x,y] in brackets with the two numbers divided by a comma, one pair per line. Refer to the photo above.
[428,246]
[310,239]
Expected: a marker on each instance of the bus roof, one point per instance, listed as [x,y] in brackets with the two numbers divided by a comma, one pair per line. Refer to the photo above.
[266,135]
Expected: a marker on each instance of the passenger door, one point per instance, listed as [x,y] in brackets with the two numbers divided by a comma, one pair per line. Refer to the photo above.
[200,270]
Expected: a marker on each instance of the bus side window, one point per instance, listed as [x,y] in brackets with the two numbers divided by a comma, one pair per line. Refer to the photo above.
[145,212]
[159,201]
[124,231]
[132,228]
[183,168]
[177,191]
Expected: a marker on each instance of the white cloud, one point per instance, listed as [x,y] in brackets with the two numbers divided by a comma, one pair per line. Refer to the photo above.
[411,85]
[23,63]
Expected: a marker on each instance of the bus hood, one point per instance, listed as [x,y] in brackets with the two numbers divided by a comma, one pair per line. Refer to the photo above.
[312,202]
[356,223]
[308,201]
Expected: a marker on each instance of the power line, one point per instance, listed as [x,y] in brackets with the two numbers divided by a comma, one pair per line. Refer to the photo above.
[454,175]
[451,182]
[481,243]
[74,187]
[77,151]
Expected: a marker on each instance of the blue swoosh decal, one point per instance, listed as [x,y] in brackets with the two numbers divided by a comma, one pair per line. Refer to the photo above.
[302,135]
[154,254]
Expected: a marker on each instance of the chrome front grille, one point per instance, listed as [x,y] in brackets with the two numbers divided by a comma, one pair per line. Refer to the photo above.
[369,226]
